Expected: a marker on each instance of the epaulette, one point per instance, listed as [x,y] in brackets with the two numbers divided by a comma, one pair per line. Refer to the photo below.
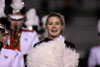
[69,44]
[45,40]
[8,47]
[27,30]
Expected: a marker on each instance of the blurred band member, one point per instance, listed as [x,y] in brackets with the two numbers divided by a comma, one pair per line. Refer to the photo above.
[20,38]
[9,57]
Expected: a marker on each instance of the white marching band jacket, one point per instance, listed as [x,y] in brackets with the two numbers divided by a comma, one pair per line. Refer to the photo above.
[27,40]
[11,58]
[94,57]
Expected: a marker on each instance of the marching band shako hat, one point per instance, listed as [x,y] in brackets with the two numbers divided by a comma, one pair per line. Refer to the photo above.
[2,28]
[15,9]
[4,23]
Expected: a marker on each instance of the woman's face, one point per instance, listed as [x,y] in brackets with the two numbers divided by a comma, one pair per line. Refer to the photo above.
[54,26]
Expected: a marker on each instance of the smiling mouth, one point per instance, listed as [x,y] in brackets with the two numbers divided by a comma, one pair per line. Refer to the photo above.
[54,31]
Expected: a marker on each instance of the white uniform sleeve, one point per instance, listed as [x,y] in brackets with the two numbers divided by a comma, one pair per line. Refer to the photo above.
[92,58]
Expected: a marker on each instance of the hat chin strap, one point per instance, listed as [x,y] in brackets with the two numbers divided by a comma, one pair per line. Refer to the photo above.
[15,30]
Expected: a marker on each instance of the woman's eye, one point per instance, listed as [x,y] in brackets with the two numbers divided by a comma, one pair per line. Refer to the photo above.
[57,23]
[50,23]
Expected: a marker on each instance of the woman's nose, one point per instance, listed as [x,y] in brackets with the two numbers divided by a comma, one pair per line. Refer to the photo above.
[54,26]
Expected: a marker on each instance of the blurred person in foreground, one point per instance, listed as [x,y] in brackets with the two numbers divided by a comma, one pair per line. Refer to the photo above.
[21,38]
[54,50]
[9,57]
[32,20]
[94,56]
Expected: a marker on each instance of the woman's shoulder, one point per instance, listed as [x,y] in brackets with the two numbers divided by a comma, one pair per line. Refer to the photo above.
[45,40]
[69,44]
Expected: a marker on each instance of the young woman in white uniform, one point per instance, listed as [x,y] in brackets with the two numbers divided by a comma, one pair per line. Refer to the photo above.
[54,50]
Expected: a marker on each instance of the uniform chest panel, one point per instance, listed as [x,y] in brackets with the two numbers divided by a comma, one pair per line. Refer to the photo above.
[6,57]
